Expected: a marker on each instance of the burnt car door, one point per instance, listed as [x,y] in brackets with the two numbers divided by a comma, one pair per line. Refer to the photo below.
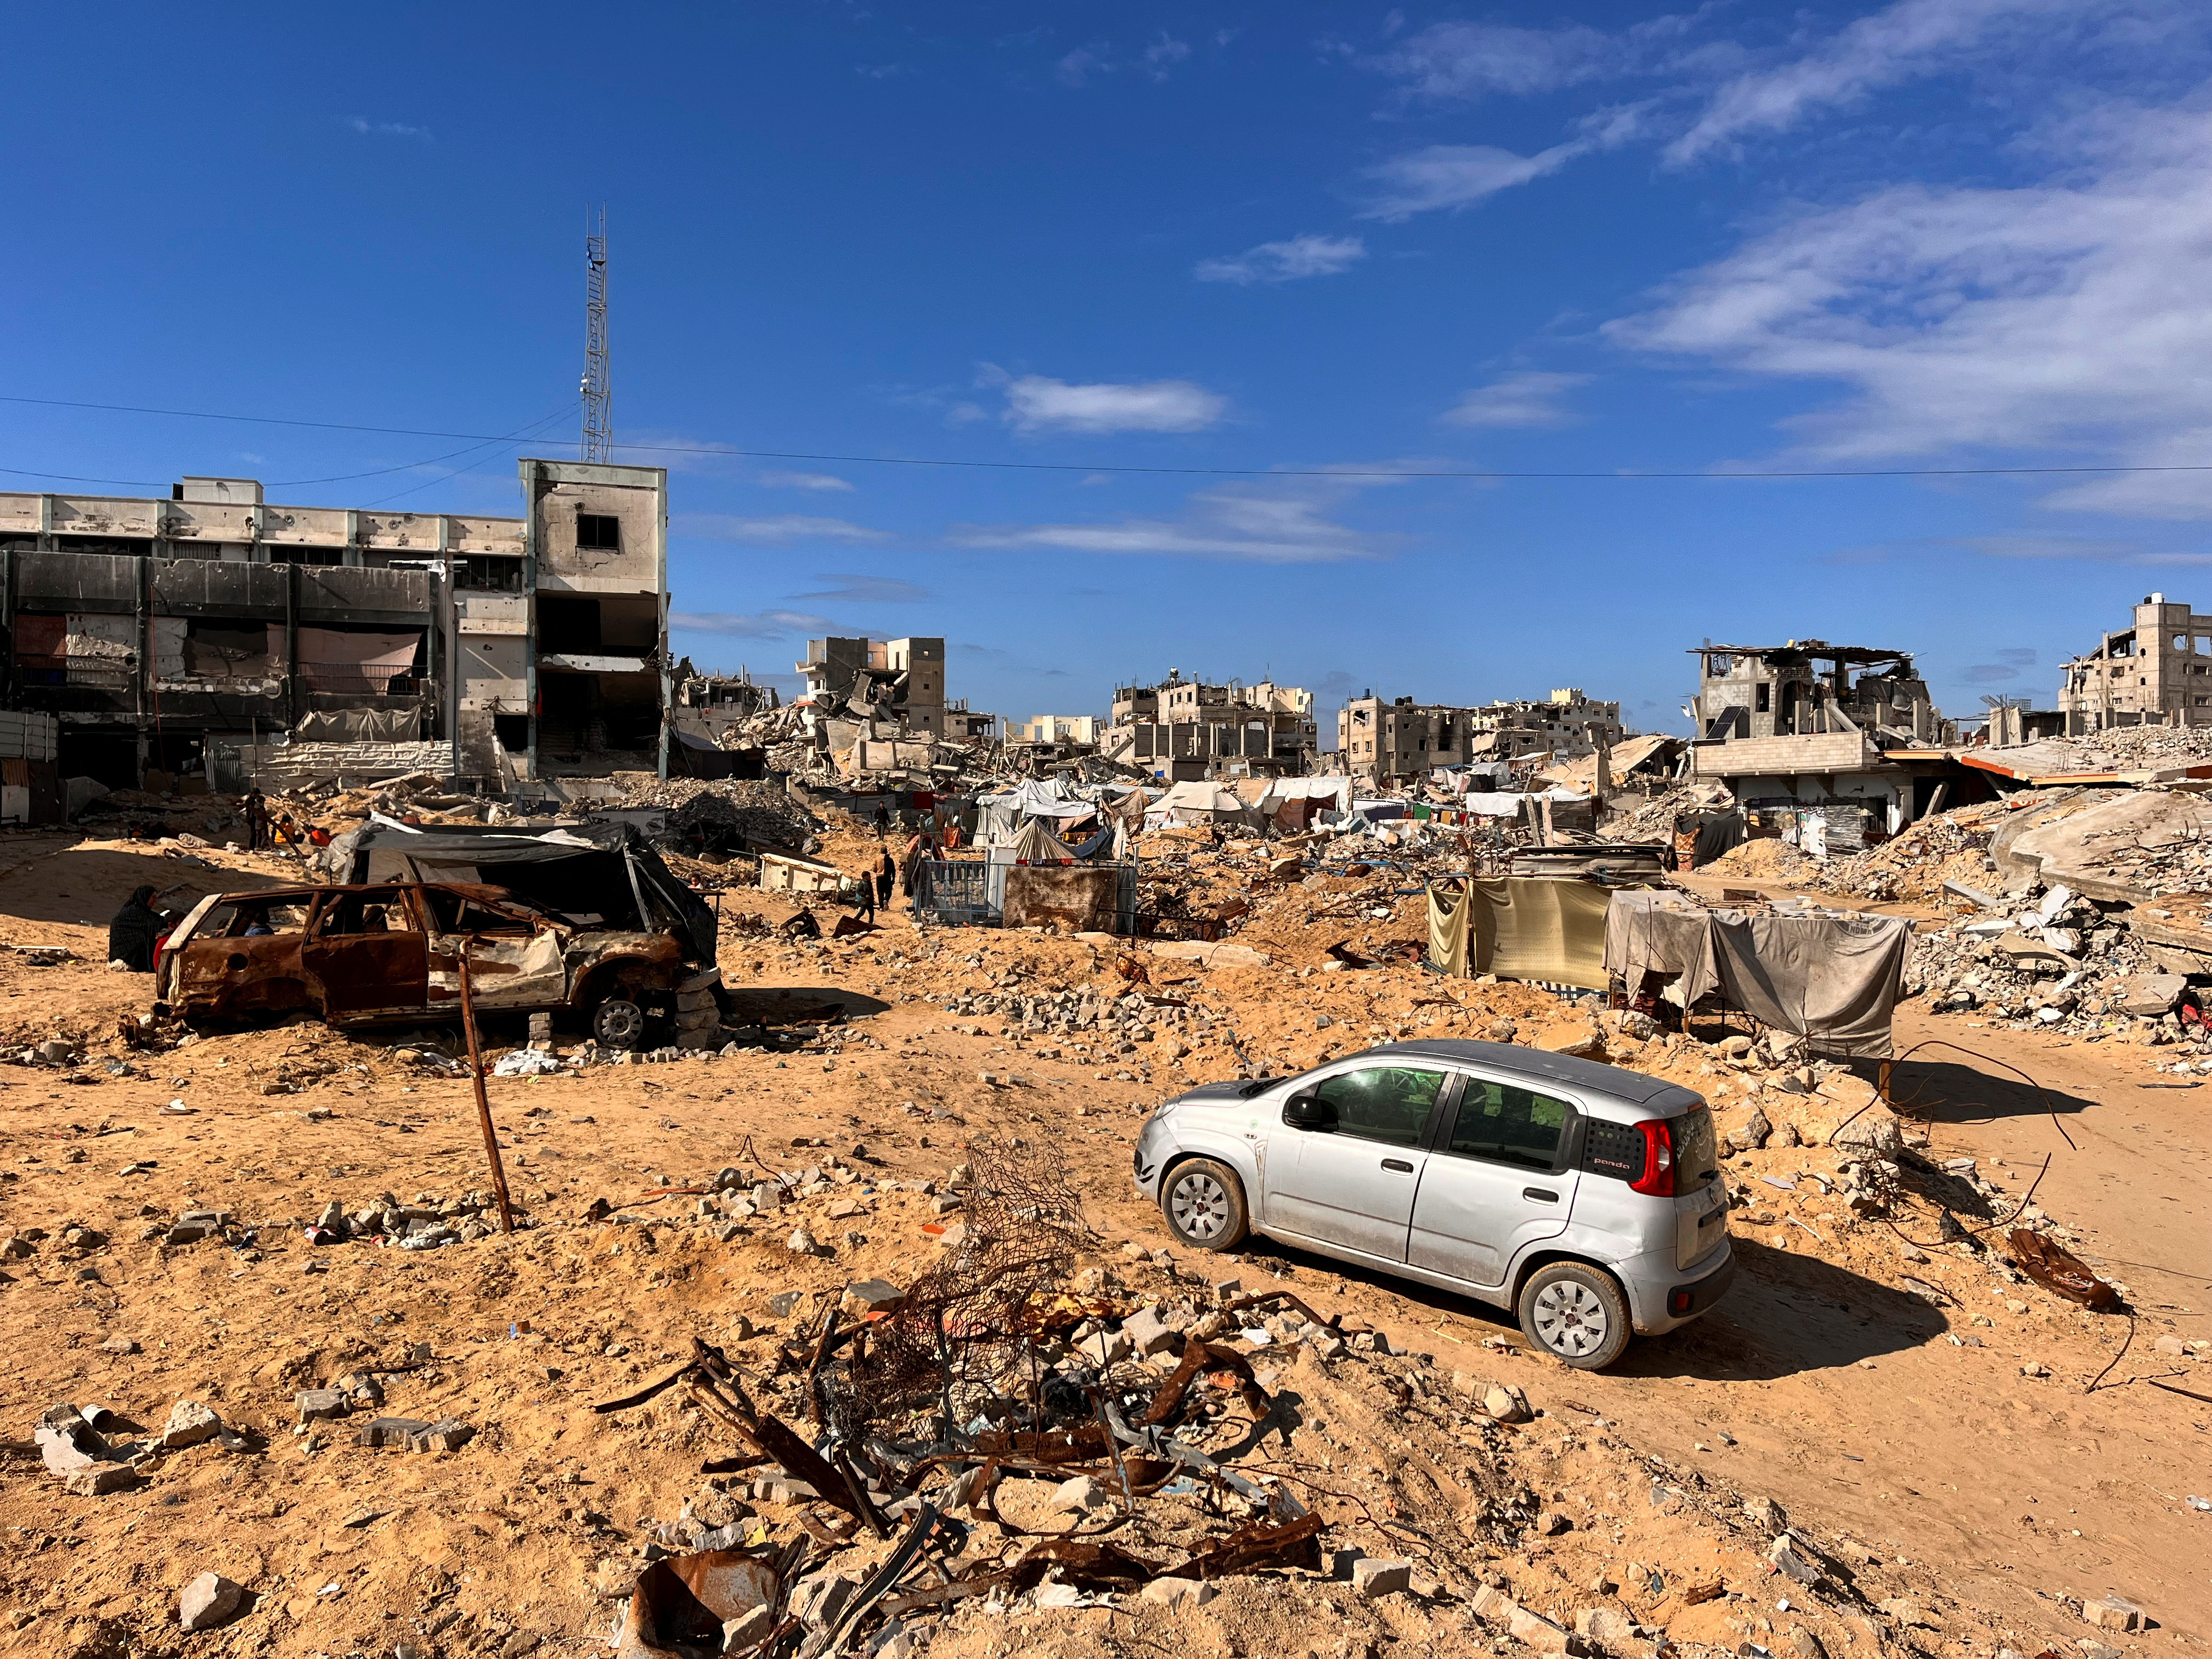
[514,953]
[366,950]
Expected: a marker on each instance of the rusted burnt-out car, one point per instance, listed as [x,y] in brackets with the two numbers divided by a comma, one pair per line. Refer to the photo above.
[372,953]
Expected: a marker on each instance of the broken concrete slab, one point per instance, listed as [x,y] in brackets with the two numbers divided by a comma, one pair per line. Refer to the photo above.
[1372,1577]
[189,1423]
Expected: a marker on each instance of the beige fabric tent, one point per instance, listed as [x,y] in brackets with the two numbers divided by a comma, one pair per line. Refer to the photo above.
[1529,928]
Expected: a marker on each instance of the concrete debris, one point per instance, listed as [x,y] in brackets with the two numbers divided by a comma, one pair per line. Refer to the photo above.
[209,1601]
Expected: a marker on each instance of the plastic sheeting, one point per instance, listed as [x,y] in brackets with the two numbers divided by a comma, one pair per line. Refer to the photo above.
[1831,977]
[1526,927]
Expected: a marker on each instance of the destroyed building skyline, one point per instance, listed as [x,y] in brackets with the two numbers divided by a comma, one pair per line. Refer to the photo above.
[1400,740]
[900,680]
[213,632]
[1180,730]
[2155,671]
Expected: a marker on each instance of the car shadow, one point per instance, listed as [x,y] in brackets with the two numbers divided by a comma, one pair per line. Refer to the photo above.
[765,1005]
[1950,1091]
[1787,1314]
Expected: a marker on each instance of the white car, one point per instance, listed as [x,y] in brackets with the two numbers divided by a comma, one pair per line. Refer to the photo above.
[1585,1198]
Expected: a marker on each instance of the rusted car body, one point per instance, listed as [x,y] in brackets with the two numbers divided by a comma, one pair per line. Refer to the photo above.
[366,954]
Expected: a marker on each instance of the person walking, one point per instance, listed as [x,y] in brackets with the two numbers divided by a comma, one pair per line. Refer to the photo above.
[864,907]
[257,820]
[886,872]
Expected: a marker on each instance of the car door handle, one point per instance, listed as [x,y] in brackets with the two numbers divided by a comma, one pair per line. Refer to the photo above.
[1398,1163]
[1541,1194]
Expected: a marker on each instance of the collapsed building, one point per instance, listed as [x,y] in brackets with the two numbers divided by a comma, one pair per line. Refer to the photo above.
[1182,731]
[211,639]
[2155,671]
[901,681]
[1845,736]
[1391,743]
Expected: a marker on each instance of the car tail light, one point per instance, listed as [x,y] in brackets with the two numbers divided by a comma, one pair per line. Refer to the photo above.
[1678,1302]
[1658,1177]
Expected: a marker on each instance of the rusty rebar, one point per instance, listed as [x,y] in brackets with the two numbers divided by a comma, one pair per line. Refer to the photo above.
[483,1100]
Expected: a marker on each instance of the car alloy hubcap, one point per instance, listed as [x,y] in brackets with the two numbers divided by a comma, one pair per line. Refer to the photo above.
[1201,1206]
[1570,1318]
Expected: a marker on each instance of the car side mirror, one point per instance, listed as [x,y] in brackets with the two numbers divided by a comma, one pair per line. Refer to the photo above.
[1308,1112]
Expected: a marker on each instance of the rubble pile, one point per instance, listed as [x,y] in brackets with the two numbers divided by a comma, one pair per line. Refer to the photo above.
[2051,959]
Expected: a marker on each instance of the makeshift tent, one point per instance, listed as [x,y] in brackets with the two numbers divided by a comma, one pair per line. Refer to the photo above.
[1196,802]
[1528,927]
[1036,844]
[998,817]
[1830,976]
[1293,804]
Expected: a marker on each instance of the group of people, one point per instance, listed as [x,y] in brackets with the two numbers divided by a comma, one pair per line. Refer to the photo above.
[278,833]
[902,870]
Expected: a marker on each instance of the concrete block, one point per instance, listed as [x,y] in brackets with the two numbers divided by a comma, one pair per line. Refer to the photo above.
[99,1480]
[1178,1592]
[1147,1331]
[317,1405]
[2110,1613]
[390,1431]
[1372,1578]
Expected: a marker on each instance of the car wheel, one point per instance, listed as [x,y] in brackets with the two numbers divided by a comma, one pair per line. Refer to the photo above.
[1576,1314]
[617,1023]
[1204,1204]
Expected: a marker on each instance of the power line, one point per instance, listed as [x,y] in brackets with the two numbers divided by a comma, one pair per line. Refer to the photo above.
[1618,474]
[524,434]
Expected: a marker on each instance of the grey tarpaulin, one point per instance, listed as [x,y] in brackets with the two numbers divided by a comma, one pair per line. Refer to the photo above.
[1833,977]
[1660,932]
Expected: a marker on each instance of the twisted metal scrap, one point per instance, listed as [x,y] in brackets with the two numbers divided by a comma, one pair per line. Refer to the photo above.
[966,1319]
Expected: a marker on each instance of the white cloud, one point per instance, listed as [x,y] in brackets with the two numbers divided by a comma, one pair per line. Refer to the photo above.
[776,527]
[1286,262]
[1454,176]
[1904,41]
[1164,54]
[759,625]
[1528,397]
[868,590]
[2066,315]
[1288,527]
[1475,60]
[1079,65]
[388,129]
[1035,403]
[803,481]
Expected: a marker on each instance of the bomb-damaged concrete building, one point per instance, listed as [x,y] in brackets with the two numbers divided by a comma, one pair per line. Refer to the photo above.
[1808,724]
[217,637]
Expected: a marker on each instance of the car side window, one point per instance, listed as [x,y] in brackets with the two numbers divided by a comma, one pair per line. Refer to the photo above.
[1509,1124]
[1383,1103]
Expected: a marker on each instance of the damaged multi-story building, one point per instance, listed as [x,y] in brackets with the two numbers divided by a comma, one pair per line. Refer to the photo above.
[1811,724]
[899,682]
[2155,671]
[217,636]
[1391,743]
[1179,730]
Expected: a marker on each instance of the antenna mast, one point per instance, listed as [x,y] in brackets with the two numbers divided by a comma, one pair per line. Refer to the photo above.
[597,393]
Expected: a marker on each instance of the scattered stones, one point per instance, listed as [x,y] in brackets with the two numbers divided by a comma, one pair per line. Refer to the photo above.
[319,1404]
[1178,1592]
[209,1600]
[190,1424]
[1507,1403]
[1081,1495]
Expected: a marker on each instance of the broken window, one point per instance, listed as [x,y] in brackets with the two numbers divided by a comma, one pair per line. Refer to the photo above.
[598,533]
[1766,698]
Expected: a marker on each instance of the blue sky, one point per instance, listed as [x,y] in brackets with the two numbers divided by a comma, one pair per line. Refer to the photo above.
[1275,240]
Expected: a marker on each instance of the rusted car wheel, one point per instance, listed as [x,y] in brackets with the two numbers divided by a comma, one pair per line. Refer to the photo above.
[617,1023]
